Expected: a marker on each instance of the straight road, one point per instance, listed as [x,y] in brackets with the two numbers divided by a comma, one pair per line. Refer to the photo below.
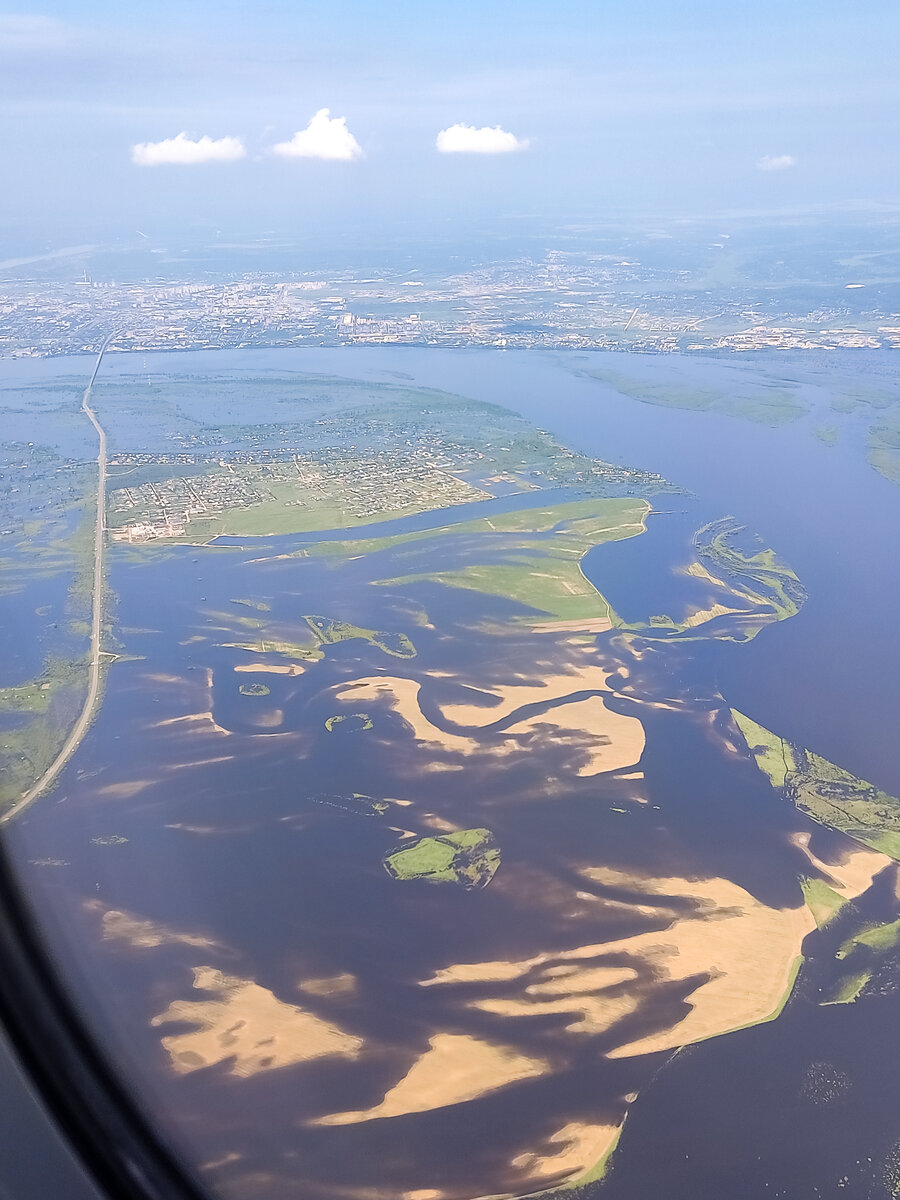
[80,728]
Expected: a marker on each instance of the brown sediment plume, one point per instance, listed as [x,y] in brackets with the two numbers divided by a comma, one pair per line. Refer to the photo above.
[247,1025]
[586,676]
[742,953]
[201,762]
[189,719]
[272,669]
[454,1068]
[854,874]
[588,625]
[145,934]
[334,985]
[403,697]
[609,740]
[271,718]
[123,790]
[749,949]
[580,1146]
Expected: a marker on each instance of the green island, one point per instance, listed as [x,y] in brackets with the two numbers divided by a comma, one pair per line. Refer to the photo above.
[254,689]
[754,589]
[355,803]
[322,631]
[350,722]
[757,574]
[868,962]
[328,632]
[825,792]
[767,403]
[469,858]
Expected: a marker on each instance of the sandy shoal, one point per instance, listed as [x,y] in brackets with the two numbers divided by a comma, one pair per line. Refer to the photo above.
[331,985]
[271,669]
[142,933]
[125,789]
[590,993]
[854,874]
[607,740]
[454,1068]
[196,720]
[587,677]
[573,1149]
[588,625]
[403,696]
[751,950]
[247,1025]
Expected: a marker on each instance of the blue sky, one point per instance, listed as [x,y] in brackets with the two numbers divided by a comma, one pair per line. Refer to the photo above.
[657,106]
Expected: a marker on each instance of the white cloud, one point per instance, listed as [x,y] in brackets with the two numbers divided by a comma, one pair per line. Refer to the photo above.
[183,150]
[466,139]
[324,137]
[776,162]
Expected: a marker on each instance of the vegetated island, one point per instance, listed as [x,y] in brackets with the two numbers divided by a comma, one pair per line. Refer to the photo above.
[469,858]
[825,792]
[349,722]
[532,556]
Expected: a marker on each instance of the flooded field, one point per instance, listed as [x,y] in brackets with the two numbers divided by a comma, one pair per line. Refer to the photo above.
[447,854]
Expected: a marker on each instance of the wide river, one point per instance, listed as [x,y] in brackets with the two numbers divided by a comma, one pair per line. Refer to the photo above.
[825,679]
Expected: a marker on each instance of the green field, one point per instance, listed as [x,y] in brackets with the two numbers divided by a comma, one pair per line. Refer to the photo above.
[539,552]
[48,706]
[772,753]
[822,901]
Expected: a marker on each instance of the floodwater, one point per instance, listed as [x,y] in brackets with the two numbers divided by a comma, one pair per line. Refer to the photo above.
[209,869]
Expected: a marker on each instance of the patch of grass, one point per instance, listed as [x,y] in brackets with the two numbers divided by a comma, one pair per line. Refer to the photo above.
[825,791]
[49,705]
[849,988]
[822,901]
[876,937]
[772,406]
[469,858]
[773,754]
[254,689]
[540,552]
[350,722]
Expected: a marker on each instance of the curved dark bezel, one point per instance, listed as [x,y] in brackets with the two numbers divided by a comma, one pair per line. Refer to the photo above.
[95,1114]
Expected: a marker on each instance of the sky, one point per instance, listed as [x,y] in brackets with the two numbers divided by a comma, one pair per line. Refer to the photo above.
[293,117]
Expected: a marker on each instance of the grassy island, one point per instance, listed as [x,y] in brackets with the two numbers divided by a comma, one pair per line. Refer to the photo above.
[469,858]
[825,792]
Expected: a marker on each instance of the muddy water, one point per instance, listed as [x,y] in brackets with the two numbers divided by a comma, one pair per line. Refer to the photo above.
[199,826]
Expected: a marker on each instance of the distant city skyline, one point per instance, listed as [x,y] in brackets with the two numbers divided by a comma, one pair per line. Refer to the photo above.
[307,118]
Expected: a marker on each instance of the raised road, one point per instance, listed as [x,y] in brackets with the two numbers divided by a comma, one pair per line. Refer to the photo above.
[80,728]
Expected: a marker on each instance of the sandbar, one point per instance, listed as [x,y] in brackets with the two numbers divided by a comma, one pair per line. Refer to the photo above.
[454,1068]
[246,1025]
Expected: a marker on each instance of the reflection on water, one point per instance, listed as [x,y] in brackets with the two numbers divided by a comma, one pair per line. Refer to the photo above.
[309,1021]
